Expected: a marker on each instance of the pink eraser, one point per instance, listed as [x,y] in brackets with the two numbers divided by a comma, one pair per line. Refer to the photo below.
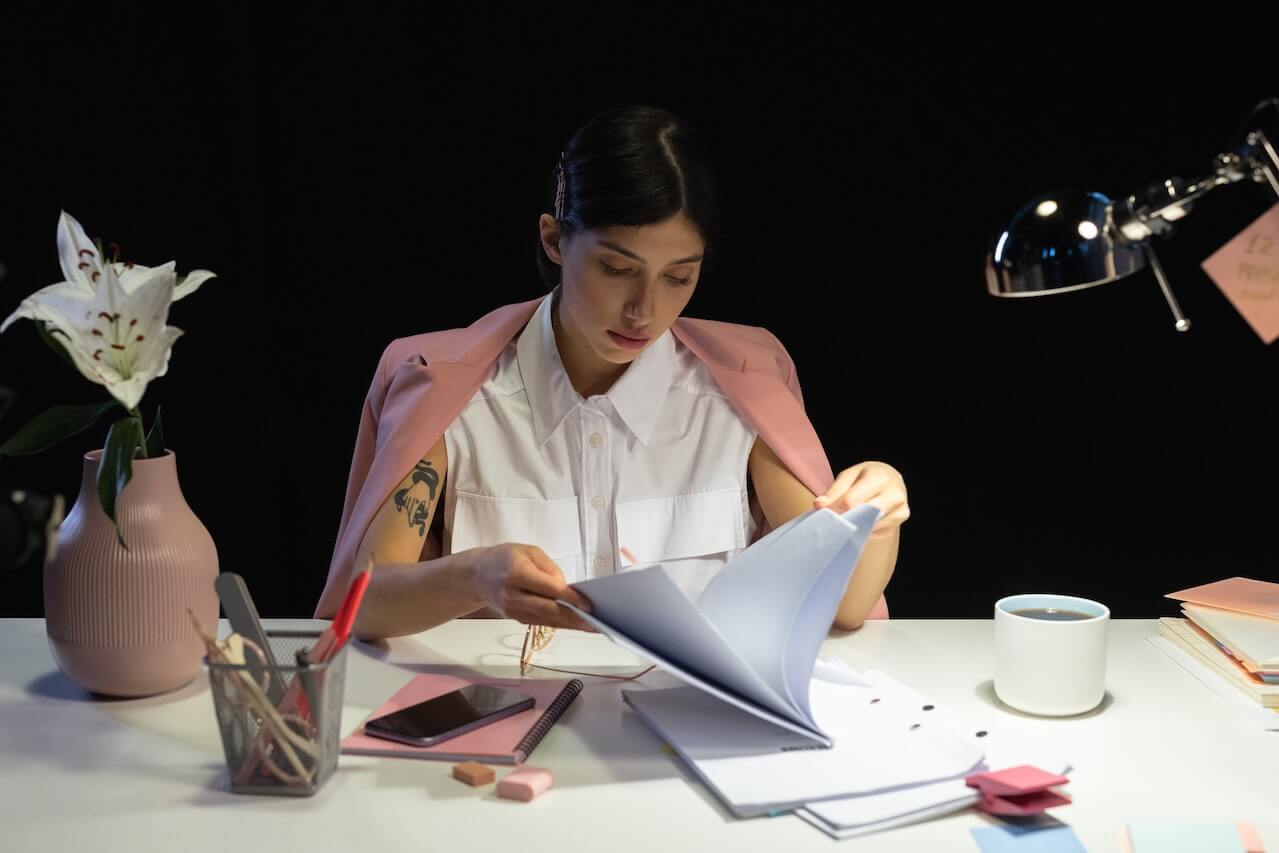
[1022,779]
[525,783]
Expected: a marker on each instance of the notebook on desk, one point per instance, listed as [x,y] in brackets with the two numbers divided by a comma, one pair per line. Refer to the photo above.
[886,740]
[751,638]
[1254,640]
[509,740]
[1185,635]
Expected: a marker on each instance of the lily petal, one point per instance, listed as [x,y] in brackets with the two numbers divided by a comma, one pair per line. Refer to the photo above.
[154,361]
[74,248]
[131,277]
[192,282]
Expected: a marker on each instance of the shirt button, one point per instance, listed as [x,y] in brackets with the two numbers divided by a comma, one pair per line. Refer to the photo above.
[596,439]
[597,502]
[600,562]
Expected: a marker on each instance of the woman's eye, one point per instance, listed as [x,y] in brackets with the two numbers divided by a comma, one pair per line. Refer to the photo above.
[613,271]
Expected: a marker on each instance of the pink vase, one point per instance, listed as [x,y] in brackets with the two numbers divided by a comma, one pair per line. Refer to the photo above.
[117,620]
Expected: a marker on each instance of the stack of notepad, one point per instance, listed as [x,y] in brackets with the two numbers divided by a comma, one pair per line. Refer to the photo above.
[753,715]
[1232,626]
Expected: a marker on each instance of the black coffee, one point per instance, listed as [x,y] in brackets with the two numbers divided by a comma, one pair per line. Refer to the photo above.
[1052,614]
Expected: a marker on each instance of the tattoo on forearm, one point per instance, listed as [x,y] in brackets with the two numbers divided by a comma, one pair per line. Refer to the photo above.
[411,501]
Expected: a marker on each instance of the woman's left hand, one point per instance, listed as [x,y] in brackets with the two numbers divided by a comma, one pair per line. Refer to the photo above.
[874,483]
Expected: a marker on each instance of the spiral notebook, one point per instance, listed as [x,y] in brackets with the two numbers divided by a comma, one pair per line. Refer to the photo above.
[509,740]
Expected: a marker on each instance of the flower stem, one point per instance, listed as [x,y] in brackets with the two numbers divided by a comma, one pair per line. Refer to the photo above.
[142,447]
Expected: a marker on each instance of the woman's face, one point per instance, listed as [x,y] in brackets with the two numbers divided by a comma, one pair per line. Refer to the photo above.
[625,282]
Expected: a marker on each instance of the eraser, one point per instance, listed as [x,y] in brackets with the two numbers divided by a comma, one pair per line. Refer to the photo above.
[473,773]
[525,783]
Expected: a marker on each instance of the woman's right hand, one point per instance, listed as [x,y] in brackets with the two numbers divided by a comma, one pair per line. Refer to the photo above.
[521,582]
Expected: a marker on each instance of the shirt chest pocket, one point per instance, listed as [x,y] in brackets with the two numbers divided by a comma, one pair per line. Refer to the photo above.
[700,527]
[552,525]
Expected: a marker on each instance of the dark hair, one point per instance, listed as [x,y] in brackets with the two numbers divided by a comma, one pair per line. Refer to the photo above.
[633,165]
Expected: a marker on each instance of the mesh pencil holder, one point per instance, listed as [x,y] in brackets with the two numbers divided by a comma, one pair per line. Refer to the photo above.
[289,748]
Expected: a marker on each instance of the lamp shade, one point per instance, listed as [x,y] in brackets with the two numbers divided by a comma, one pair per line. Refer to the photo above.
[1060,241]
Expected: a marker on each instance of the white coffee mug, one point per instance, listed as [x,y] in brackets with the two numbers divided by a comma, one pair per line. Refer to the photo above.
[1046,664]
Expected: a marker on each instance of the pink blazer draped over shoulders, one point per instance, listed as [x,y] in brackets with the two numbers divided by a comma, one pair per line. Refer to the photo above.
[423,382]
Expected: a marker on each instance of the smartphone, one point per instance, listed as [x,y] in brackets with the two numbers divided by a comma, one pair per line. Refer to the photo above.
[434,720]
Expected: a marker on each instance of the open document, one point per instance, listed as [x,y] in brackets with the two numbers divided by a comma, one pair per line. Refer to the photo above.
[753,636]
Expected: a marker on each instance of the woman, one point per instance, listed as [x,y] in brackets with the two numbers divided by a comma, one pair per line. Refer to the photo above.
[570,435]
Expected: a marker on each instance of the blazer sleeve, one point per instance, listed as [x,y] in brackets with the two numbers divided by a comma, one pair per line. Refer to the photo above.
[361,461]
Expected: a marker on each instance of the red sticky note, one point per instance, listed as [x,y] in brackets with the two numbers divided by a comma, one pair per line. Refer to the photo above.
[1022,804]
[1022,779]
[1247,271]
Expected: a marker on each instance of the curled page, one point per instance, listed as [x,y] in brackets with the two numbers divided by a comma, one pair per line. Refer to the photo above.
[753,637]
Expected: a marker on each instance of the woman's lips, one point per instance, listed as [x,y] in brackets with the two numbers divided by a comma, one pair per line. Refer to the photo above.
[626,342]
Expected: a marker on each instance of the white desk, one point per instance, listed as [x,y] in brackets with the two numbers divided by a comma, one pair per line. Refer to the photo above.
[149,774]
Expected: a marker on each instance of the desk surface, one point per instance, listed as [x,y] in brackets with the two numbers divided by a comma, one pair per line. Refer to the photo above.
[150,774]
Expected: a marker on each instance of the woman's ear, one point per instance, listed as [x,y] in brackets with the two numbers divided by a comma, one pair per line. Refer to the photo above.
[549,230]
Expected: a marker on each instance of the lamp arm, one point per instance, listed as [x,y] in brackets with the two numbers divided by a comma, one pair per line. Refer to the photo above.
[1159,205]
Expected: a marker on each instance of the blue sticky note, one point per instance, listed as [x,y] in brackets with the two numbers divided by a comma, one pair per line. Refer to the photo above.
[1172,837]
[1055,837]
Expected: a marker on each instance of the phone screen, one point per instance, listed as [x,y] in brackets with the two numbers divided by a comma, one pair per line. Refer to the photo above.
[449,715]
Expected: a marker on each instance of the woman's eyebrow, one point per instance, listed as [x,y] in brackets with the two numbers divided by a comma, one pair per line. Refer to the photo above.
[628,253]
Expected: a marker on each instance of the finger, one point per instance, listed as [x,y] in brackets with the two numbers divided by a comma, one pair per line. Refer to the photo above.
[894,518]
[537,610]
[544,564]
[889,522]
[868,490]
[548,583]
[842,483]
[577,621]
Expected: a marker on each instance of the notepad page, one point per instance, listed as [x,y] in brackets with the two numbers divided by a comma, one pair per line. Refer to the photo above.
[775,602]
[644,611]
[1253,637]
[754,768]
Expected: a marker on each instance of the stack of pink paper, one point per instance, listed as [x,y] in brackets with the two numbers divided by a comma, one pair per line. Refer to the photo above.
[1232,626]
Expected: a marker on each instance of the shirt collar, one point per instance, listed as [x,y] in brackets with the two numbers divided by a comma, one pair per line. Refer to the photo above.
[638,395]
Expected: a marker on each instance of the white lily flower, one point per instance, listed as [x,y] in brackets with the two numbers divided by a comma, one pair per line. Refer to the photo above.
[117,338]
[83,267]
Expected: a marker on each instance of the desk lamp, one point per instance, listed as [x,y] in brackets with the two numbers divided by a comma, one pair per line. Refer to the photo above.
[1070,240]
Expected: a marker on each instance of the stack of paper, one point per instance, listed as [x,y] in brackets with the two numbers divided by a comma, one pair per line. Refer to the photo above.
[851,754]
[898,758]
[1232,626]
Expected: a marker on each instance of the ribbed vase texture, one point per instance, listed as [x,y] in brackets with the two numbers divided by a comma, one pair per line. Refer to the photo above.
[116,619]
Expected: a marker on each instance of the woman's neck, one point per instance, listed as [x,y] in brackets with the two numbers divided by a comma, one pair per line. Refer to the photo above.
[587,372]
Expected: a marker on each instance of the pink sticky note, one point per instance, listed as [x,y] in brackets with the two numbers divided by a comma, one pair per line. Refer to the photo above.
[1250,838]
[1022,804]
[1247,271]
[1260,598]
[1022,779]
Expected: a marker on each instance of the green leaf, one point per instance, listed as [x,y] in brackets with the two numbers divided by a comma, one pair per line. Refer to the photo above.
[56,424]
[115,469]
[155,439]
[54,344]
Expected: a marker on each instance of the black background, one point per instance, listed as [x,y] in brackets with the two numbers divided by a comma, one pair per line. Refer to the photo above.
[359,174]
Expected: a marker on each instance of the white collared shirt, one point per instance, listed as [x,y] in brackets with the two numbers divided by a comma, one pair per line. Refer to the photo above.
[656,465]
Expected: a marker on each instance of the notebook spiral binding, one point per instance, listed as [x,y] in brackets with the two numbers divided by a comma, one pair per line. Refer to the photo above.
[549,717]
